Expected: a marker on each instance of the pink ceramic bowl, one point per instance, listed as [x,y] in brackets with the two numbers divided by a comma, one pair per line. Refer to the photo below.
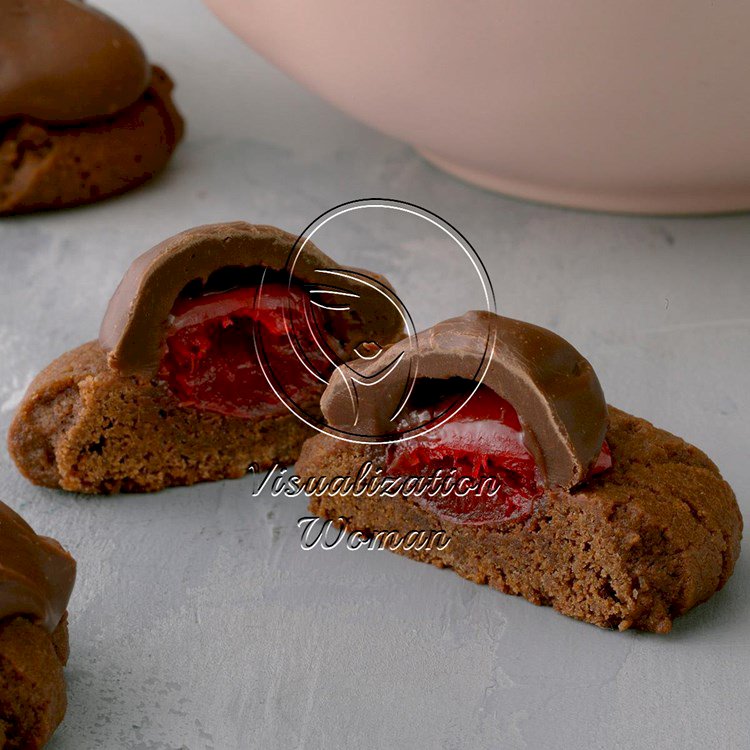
[640,106]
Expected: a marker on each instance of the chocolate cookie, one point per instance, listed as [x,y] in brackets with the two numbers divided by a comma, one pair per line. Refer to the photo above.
[83,116]
[36,579]
[540,489]
[174,391]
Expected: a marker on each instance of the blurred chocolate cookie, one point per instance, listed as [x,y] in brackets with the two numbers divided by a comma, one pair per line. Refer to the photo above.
[36,579]
[83,115]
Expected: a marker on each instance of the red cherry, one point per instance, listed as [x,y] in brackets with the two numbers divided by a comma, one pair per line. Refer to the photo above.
[604,462]
[483,441]
[210,361]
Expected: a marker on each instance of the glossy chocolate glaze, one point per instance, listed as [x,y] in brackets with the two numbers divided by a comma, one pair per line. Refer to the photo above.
[137,319]
[553,388]
[36,573]
[64,62]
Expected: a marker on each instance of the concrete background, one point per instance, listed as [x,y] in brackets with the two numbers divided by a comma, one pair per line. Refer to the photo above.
[198,621]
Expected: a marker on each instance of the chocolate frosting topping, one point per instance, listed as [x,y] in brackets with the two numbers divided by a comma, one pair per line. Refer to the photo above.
[552,387]
[64,62]
[36,573]
[137,319]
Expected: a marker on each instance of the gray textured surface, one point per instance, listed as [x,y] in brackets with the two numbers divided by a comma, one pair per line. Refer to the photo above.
[198,622]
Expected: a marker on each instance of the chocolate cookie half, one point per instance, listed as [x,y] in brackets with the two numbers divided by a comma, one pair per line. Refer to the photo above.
[36,579]
[83,116]
[207,340]
[541,490]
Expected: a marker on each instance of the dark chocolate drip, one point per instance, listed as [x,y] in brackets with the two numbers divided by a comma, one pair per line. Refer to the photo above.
[553,388]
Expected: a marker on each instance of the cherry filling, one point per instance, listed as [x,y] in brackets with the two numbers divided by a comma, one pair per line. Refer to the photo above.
[210,361]
[496,479]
